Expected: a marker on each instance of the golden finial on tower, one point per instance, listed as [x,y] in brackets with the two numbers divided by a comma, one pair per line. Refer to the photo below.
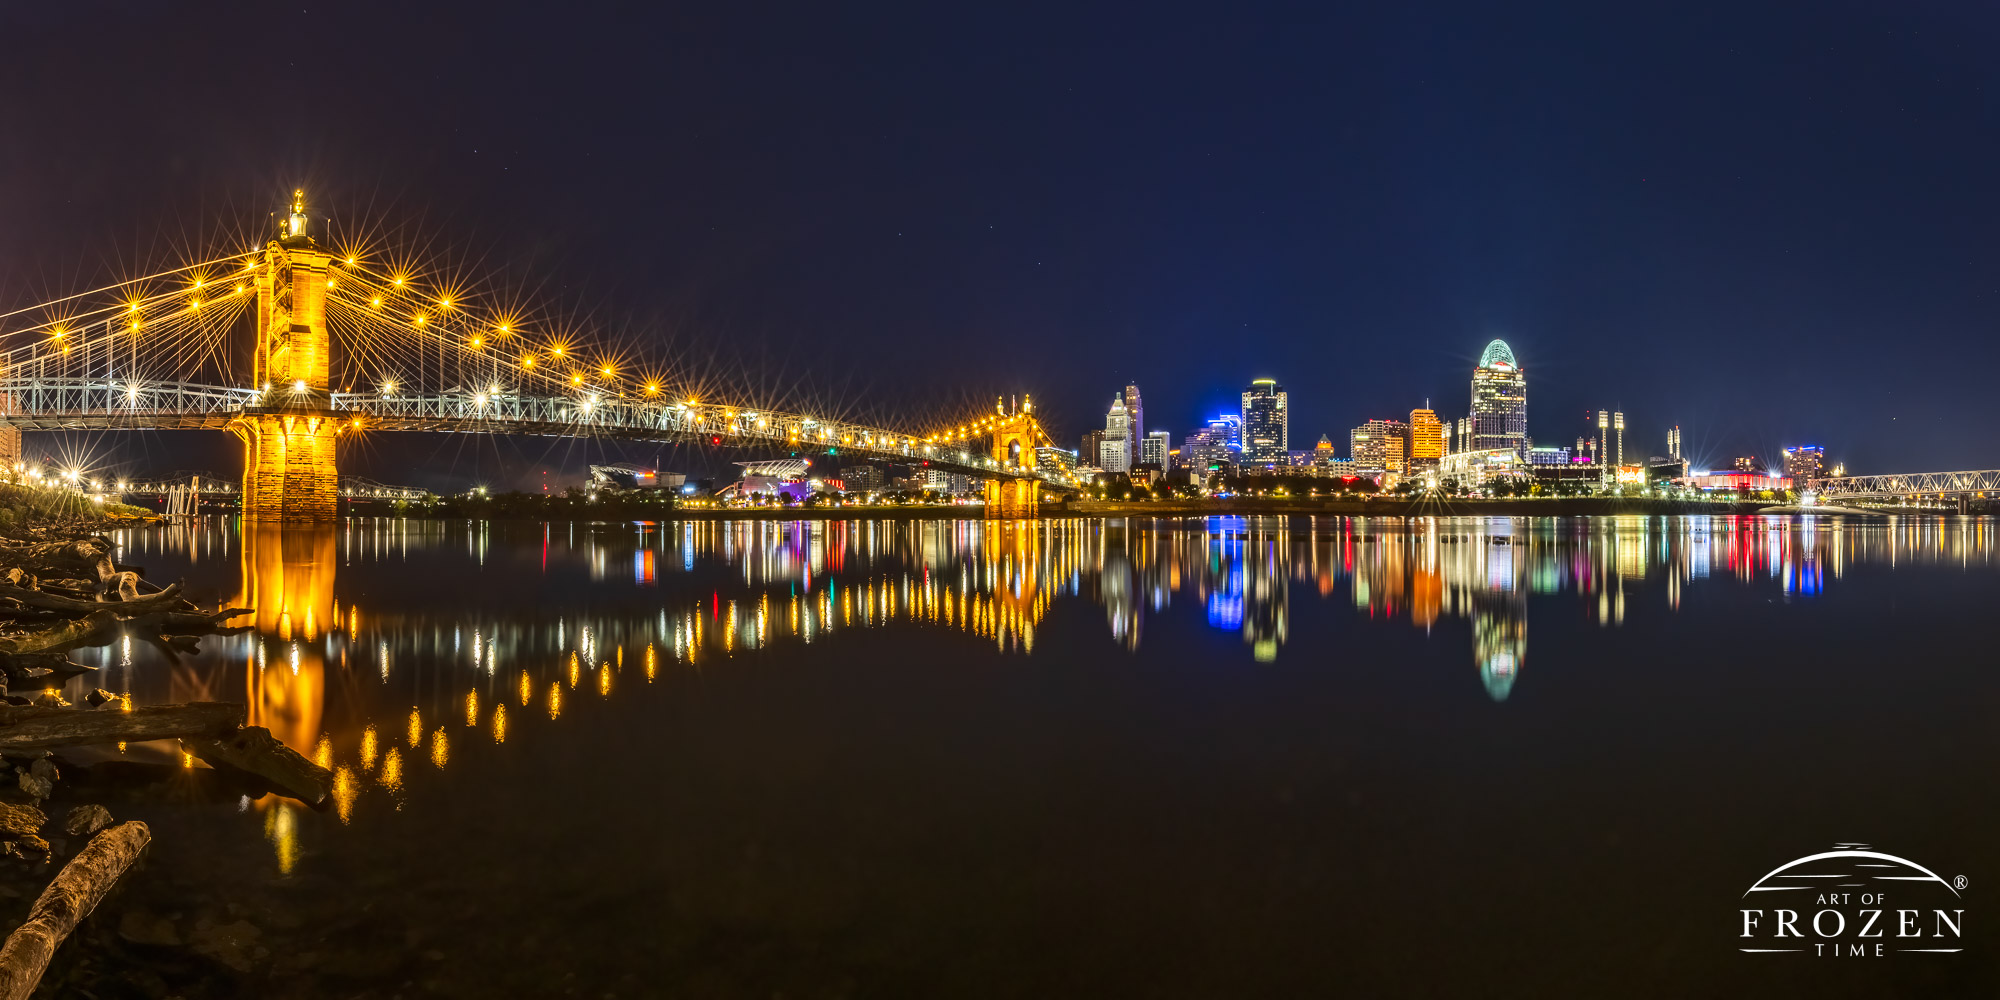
[296,225]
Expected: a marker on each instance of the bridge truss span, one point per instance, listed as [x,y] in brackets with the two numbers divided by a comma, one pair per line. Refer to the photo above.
[38,404]
[1913,484]
[57,404]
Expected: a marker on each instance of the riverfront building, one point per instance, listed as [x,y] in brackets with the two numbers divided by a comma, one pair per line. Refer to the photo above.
[1499,402]
[1426,441]
[1266,424]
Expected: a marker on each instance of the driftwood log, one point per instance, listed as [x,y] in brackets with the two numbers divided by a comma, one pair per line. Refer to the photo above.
[85,631]
[168,598]
[49,728]
[88,557]
[78,888]
[255,750]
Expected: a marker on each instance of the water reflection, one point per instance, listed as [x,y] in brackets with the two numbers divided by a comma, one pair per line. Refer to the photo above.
[287,577]
[376,640]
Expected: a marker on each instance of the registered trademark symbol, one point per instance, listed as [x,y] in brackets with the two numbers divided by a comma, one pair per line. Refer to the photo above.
[1958,883]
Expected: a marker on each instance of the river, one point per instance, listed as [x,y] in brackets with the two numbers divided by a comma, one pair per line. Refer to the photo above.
[1213,757]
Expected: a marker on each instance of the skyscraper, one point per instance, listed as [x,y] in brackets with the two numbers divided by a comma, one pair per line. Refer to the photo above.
[1114,450]
[1230,426]
[1426,440]
[1208,449]
[1137,413]
[1804,463]
[1379,444]
[1266,424]
[1087,449]
[1323,453]
[1153,448]
[1499,401]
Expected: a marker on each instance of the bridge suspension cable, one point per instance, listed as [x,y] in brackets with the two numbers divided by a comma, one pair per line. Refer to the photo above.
[400,353]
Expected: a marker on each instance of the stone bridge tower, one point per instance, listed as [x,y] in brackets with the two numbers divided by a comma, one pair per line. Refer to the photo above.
[289,434]
[1014,492]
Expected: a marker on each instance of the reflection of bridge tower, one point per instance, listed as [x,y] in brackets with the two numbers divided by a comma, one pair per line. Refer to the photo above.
[288,578]
[1015,552]
[1014,492]
[288,436]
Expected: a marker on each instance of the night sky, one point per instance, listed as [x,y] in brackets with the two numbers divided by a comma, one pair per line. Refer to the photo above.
[1765,224]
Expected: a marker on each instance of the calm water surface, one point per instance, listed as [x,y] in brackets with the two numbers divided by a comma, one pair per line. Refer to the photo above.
[1222,757]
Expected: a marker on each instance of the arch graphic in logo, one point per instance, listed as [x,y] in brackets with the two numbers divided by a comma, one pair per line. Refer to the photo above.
[1852,902]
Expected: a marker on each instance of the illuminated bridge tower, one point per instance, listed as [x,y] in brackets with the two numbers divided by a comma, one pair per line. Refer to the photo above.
[288,435]
[1014,492]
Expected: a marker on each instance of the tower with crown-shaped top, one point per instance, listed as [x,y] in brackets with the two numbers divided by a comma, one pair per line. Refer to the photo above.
[1014,491]
[289,433]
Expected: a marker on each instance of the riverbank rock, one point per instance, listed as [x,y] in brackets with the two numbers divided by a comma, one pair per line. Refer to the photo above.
[85,820]
[38,780]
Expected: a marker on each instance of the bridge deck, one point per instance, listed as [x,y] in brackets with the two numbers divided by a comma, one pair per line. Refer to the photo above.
[98,404]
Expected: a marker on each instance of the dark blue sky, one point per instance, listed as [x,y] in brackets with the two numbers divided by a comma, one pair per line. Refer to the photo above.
[1766,225]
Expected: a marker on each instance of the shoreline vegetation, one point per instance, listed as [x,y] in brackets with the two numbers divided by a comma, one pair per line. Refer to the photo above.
[62,589]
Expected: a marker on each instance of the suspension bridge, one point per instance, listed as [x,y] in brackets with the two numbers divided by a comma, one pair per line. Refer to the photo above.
[341,344]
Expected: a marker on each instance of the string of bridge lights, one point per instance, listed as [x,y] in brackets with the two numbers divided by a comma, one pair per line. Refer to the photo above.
[388,320]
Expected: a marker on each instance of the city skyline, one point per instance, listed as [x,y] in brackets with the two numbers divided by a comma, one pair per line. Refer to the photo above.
[1425,434]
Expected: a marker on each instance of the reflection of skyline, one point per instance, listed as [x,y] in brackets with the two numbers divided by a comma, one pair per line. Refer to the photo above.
[376,687]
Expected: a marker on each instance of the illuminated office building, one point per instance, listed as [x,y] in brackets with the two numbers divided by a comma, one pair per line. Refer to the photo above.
[1805,463]
[1053,461]
[1499,401]
[1208,450]
[1088,447]
[1136,412]
[1323,453]
[1153,449]
[1426,440]
[1379,444]
[1266,431]
[1230,426]
[1114,449]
